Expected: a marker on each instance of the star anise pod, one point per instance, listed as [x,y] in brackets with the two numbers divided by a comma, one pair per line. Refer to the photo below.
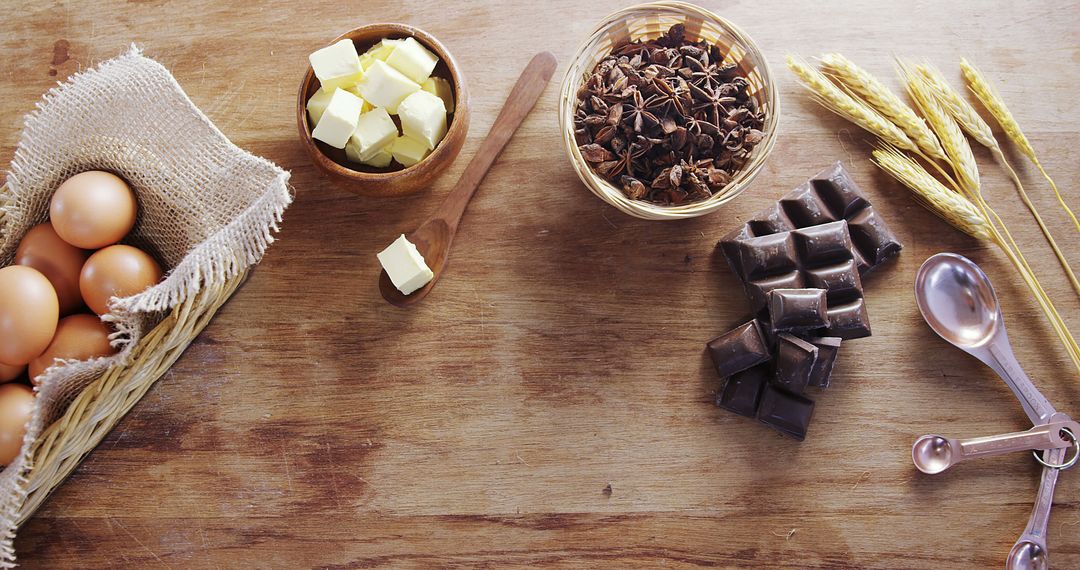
[637,115]
[712,101]
[668,99]
[713,76]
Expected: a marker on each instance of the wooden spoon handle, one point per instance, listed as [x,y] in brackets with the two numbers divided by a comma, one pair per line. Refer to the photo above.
[521,100]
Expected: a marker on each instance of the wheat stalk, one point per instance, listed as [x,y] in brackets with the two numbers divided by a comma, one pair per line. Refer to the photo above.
[882,99]
[834,99]
[993,102]
[939,199]
[970,121]
[948,130]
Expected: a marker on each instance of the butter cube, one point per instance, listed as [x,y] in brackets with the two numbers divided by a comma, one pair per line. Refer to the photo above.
[405,266]
[384,86]
[374,130]
[339,119]
[355,90]
[317,104]
[382,158]
[423,117]
[441,87]
[382,49]
[366,60]
[337,65]
[408,151]
[412,59]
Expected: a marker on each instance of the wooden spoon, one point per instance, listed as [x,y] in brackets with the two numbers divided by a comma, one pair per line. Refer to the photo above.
[434,237]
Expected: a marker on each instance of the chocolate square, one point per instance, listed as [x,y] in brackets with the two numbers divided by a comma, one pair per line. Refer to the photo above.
[742,392]
[849,320]
[767,255]
[798,309]
[789,413]
[739,349]
[828,347]
[795,361]
[842,280]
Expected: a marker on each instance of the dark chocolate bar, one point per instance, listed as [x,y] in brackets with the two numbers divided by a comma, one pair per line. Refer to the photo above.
[827,347]
[786,412]
[742,392]
[798,309]
[794,363]
[829,196]
[739,349]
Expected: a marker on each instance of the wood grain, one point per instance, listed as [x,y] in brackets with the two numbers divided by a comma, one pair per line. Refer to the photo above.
[313,425]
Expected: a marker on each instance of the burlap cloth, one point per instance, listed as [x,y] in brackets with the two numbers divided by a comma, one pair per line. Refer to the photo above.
[207,209]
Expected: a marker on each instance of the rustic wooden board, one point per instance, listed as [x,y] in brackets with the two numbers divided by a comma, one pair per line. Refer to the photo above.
[314,425]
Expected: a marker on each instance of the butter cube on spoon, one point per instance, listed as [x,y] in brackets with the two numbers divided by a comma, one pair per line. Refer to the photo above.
[339,119]
[337,65]
[384,86]
[441,87]
[412,59]
[423,117]
[408,151]
[405,266]
[374,131]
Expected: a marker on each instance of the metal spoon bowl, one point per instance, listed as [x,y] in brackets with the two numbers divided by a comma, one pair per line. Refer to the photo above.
[957,300]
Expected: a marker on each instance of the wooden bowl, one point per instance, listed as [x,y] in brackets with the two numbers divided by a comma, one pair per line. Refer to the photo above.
[650,21]
[394,180]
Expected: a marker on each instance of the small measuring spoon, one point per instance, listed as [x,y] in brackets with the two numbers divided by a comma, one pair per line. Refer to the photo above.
[957,300]
[933,454]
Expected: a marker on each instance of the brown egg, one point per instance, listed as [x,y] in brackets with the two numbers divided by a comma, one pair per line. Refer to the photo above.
[93,209]
[9,373]
[16,405]
[60,262]
[28,314]
[78,337]
[116,271]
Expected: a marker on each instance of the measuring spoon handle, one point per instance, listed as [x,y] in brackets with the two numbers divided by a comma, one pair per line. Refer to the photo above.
[1046,436]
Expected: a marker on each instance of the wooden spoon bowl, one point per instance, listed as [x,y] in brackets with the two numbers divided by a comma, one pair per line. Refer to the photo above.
[394,180]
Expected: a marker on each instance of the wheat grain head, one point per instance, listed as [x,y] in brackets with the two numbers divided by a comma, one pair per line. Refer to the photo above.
[993,102]
[834,99]
[958,107]
[884,101]
[948,130]
[955,209]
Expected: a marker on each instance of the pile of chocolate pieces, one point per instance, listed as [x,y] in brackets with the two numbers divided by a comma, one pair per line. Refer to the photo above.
[801,263]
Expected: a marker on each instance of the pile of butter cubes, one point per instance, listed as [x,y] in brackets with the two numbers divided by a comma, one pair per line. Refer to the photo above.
[358,94]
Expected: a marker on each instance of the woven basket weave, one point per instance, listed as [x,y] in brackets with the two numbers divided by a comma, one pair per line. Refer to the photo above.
[650,21]
[207,212]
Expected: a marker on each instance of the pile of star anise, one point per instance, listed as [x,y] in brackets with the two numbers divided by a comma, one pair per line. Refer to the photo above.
[667,119]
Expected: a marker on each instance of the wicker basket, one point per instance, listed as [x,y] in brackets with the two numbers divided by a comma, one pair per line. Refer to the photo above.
[648,21]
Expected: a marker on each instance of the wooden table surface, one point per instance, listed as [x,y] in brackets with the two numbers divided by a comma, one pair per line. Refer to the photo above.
[550,403]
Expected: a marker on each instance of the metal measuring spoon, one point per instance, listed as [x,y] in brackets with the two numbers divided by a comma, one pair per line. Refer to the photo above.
[957,300]
[933,454]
